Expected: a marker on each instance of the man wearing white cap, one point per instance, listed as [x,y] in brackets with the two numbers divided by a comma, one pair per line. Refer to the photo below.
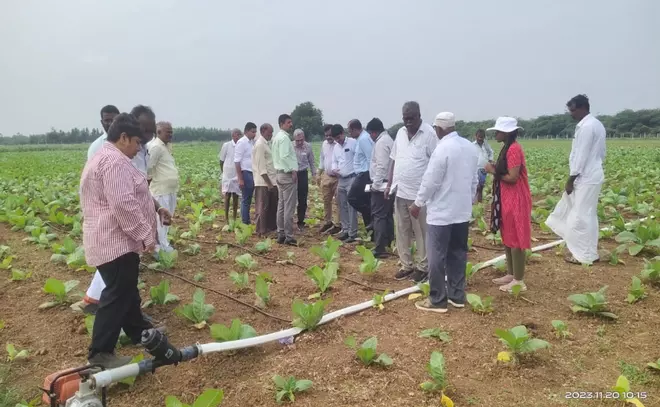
[410,155]
[575,217]
[447,192]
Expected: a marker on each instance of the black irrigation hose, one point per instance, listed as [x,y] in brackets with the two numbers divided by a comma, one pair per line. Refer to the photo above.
[288,262]
[224,295]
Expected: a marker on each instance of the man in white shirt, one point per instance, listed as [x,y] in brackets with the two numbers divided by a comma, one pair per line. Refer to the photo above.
[230,188]
[108,114]
[447,192]
[382,210]
[328,182]
[243,162]
[162,171]
[575,218]
[343,169]
[485,157]
[412,148]
[265,184]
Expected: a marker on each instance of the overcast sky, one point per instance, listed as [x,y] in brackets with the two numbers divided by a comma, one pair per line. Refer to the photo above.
[222,63]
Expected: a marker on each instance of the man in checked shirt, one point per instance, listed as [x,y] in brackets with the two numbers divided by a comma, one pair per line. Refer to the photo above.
[119,223]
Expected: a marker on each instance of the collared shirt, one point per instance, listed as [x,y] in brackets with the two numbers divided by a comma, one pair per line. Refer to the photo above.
[96,145]
[450,182]
[363,151]
[139,161]
[119,216]
[343,157]
[243,153]
[305,156]
[284,158]
[226,156]
[325,161]
[161,169]
[588,151]
[379,167]
[485,153]
[262,163]
[411,157]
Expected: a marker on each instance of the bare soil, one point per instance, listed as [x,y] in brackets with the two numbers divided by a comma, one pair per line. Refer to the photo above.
[588,361]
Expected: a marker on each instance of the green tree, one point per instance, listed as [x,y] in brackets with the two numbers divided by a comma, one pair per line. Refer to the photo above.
[309,118]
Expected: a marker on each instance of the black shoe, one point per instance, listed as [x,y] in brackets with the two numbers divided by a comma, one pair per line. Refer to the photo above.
[291,241]
[326,227]
[148,319]
[380,255]
[281,239]
[403,274]
[301,226]
[333,230]
[419,276]
[341,236]
[90,309]
[349,239]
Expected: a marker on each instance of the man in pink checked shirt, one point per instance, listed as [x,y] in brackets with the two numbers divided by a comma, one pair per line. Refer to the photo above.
[119,223]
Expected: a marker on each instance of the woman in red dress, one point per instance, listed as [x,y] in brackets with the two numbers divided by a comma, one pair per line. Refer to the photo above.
[512,203]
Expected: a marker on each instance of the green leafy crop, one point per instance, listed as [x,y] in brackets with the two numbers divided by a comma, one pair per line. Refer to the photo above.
[160,295]
[287,387]
[323,277]
[197,312]
[233,332]
[591,303]
[366,353]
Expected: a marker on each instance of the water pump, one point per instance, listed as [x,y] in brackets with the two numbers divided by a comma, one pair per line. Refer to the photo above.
[80,387]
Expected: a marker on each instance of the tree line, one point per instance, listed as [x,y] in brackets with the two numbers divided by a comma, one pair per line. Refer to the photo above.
[310,118]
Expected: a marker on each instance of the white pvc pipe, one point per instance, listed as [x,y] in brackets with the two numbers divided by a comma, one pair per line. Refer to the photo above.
[259,340]
[107,377]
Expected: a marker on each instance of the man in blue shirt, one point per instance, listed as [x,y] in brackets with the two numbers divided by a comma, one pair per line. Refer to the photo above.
[358,198]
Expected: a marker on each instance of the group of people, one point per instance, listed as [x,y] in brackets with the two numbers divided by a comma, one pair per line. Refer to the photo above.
[416,190]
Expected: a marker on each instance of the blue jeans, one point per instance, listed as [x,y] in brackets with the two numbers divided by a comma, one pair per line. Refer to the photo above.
[246,199]
[347,214]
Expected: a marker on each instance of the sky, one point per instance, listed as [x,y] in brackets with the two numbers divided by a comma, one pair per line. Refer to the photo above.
[223,63]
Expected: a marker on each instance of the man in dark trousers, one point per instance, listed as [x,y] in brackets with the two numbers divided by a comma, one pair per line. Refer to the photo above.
[382,210]
[119,223]
[358,198]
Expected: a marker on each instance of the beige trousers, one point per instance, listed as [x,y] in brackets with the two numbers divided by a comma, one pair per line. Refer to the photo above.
[407,230]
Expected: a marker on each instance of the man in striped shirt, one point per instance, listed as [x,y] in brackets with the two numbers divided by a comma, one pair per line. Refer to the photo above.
[147,119]
[119,223]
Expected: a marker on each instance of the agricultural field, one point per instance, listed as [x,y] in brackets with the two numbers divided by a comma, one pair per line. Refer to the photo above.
[530,349]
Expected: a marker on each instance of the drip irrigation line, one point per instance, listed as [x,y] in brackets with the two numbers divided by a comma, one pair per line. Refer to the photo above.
[288,262]
[224,295]
[495,249]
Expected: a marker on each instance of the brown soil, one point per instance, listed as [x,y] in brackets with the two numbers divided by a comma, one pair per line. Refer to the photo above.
[589,361]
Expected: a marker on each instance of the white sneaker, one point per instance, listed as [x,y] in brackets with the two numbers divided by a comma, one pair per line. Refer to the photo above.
[508,288]
[455,304]
[503,280]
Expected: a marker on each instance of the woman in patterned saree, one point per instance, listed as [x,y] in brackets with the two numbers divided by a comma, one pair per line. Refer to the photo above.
[512,203]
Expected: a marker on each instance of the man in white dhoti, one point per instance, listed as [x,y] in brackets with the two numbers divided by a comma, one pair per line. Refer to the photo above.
[164,176]
[575,218]
[231,190]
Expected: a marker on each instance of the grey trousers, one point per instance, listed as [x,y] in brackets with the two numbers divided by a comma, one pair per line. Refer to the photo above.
[407,229]
[447,249]
[287,193]
[347,214]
